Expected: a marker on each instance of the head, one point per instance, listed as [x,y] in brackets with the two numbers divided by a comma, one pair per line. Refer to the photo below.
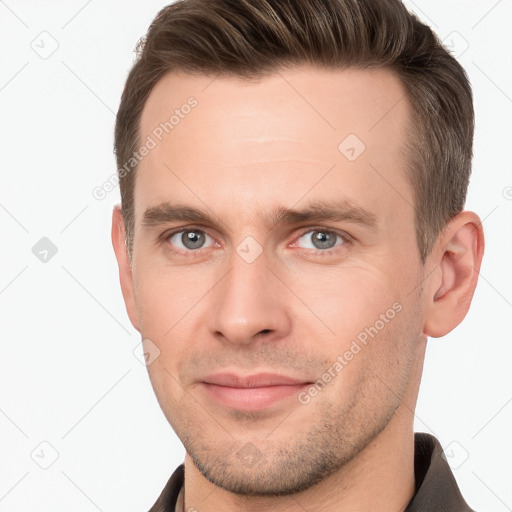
[297,211]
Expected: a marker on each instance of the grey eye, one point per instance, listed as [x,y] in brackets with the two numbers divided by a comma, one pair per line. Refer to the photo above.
[320,239]
[189,239]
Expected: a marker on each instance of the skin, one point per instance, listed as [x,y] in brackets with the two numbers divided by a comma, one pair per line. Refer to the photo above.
[247,148]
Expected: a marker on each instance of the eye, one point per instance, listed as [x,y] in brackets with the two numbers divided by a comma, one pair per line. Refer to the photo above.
[320,239]
[189,239]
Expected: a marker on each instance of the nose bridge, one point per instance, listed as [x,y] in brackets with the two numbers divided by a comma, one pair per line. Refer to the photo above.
[246,301]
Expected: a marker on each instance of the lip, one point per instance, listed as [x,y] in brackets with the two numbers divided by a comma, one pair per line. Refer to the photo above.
[251,392]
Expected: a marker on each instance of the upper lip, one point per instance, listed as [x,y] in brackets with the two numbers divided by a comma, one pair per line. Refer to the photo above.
[257,380]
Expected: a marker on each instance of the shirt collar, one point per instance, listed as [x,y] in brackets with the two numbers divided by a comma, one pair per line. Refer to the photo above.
[436,488]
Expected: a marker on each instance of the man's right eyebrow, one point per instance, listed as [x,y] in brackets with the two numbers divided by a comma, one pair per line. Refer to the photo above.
[166,213]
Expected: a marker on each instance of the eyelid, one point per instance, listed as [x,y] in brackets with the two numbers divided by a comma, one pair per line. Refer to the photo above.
[170,232]
[343,234]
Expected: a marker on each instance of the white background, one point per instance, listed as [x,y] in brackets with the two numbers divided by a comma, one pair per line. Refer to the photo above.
[68,374]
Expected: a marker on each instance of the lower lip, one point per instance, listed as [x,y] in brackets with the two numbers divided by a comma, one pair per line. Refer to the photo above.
[251,399]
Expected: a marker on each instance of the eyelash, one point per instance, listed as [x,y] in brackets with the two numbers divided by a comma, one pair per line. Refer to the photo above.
[316,252]
[326,252]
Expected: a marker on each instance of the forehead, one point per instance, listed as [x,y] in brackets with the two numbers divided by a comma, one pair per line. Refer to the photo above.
[298,134]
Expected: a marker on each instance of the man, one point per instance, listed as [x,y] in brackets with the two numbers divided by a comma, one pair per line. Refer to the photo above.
[293,177]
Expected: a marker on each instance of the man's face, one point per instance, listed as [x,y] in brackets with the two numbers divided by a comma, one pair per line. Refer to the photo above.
[252,307]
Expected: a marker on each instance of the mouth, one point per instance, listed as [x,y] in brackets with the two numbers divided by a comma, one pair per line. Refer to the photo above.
[251,392]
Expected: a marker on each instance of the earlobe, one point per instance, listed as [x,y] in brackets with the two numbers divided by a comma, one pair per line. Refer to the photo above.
[125,269]
[457,256]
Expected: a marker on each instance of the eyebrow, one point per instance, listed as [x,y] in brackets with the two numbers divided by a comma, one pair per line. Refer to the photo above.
[337,211]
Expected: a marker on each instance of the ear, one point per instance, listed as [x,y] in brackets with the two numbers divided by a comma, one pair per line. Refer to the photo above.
[457,258]
[125,269]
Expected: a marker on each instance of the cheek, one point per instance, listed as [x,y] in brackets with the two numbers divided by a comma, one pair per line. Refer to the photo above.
[170,302]
[165,297]
[350,300]
[370,360]
[169,393]
[165,305]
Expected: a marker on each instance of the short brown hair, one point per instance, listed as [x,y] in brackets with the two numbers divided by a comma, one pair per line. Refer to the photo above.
[253,38]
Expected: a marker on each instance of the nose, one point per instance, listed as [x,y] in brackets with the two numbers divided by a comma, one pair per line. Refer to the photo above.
[249,304]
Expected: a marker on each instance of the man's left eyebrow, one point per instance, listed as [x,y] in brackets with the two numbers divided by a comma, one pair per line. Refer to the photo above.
[337,211]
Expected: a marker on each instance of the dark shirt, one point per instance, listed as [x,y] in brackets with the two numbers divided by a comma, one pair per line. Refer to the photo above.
[436,488]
